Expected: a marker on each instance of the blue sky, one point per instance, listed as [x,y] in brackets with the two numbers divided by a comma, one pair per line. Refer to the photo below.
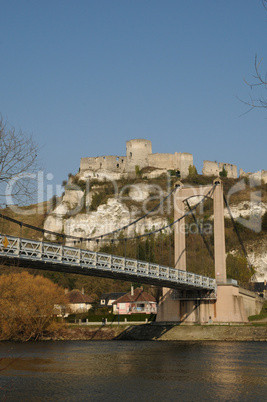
[85,76]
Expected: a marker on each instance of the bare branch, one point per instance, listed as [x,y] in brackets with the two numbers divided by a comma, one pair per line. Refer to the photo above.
[260,100]
[260,83]
[18,159]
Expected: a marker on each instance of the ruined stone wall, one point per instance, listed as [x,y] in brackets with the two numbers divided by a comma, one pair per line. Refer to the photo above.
[162,161]
[230,169]
[210,168]
[138,153]
[110,163]
[184,160]
[214,169]
[177,161]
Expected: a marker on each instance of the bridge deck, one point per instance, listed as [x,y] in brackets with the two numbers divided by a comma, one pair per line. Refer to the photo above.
[55,257]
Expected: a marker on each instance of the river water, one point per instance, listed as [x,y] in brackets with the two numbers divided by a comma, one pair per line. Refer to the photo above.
[133,371]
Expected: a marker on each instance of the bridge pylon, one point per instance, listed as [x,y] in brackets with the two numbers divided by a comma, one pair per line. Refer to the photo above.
[230,304]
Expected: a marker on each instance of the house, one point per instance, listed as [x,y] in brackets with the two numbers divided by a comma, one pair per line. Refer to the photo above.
[136,301]
[107,299]
[78,301]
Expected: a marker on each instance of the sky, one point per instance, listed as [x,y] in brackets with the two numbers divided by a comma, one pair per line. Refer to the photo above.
[83,77]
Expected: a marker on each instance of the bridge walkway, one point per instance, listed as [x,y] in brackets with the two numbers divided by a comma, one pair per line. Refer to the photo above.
[36,254]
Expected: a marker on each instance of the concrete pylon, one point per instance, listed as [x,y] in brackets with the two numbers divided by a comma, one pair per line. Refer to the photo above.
[181,195]
[232,303]
[179,233]
[219,233]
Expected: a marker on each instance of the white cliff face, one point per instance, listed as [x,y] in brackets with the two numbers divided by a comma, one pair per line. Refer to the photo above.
[100,175]
[249,213]
[53,223]
[70,204]
[246,209]
[258,258]
[105,219]
[141,191]
[73,198]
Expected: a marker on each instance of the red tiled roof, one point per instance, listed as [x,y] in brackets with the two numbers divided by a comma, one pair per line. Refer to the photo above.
[139,295]
[76,296]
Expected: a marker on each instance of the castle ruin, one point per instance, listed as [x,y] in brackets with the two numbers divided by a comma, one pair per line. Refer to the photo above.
[138,153]
[214,169]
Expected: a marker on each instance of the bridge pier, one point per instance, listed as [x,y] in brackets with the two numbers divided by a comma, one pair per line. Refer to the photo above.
[232,305]
[182,310]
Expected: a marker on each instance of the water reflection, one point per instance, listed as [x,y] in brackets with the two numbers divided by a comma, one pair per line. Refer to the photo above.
[136,371]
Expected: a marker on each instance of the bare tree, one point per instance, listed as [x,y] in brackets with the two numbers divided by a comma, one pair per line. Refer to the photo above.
[18,163]
[260,80]
[259,84]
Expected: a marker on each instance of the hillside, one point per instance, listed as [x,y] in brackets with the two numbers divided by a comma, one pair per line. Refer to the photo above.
[88,211]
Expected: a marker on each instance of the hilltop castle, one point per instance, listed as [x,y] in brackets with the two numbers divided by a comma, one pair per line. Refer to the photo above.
[138,153]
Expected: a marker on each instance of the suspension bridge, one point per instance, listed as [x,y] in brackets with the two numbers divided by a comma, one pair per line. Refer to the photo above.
[189,287]
[55,257]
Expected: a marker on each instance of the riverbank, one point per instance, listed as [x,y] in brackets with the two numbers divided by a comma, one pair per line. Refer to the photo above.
[166,332]
[82,333]
[196,333]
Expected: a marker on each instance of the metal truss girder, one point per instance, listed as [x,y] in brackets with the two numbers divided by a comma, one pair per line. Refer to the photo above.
[52,256]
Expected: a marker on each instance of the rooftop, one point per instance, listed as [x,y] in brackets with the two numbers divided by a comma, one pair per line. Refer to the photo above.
[139,295]
[76,296]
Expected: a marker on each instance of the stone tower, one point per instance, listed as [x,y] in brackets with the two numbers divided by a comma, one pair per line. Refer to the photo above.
[137,152]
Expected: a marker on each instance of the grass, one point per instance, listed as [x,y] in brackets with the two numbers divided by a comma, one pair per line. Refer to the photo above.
[37,219]
[261,316]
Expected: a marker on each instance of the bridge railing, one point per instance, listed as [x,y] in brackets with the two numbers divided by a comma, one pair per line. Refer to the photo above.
[34,250]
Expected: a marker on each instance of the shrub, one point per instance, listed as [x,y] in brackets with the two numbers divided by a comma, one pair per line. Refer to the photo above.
[110,317]
[223,173]
[96,201]
[192,170]
[138,172]
[171,172]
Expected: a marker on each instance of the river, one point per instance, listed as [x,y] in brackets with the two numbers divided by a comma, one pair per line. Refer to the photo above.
[133,371]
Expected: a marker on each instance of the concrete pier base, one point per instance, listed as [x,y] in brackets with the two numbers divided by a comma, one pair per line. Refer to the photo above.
[233,305]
